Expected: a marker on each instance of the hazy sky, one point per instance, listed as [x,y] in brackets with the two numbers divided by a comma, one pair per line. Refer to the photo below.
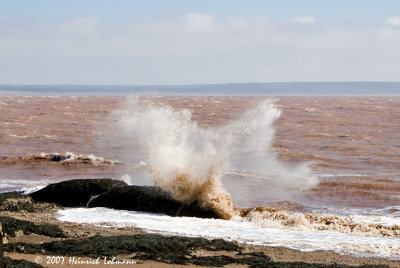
[204,41]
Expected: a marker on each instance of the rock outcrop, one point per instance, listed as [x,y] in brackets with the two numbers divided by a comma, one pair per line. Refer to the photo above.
[118,195]
[14,201]
[149,199]
[75,193]
[12,227]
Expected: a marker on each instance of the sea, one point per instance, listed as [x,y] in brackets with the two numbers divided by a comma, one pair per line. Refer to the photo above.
[308,166]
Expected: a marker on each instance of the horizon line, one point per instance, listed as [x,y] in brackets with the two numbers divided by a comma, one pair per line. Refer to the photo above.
[202,84]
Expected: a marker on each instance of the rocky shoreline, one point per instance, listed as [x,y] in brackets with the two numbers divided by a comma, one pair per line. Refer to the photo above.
[29,229]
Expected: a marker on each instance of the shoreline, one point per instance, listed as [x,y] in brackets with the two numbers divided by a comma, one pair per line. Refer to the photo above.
[84,232]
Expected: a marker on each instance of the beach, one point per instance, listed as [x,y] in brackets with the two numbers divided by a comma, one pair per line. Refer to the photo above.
[81,232]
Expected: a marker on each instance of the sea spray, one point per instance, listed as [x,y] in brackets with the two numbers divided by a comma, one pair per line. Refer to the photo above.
[188,160]
[182,158]
[253,156]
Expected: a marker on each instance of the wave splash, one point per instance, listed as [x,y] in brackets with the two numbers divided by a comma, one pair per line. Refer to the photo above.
[188,160]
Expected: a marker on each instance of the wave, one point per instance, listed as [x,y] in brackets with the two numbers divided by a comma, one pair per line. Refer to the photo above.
[283,219]
[68,158]
[368,185]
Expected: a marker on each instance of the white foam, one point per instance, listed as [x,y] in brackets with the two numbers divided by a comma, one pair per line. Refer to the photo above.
[244,232]
[70,157]
[26,186]
[127,179]
[29,190]
[20,136]
[387,221]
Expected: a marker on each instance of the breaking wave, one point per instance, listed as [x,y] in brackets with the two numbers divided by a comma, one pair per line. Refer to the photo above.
[282,219]
[188,160]
[66,159]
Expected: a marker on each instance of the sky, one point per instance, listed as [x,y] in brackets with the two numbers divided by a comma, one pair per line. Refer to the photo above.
[176,42]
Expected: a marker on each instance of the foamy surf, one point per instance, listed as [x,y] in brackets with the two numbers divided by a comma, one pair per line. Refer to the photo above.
[242,231]
[354,224]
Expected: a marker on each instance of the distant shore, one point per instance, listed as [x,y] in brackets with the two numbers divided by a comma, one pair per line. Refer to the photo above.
[353,88]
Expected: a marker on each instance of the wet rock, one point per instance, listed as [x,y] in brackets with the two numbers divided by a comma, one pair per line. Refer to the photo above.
[58,158]
[143,246]
[75,193]
[118,195]
[149,199]
[7,262]
[13,227]
[14,201]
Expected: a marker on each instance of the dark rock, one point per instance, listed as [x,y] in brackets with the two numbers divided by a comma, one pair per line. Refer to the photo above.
[10,226]
[75,193]
[138,198]
[14,201]
[216,261]
[196,210]
[118,195]
[145,246]
[58,158]
[6,262]
[149,199]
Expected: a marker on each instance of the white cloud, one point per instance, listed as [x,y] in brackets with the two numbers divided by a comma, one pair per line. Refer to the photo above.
[199,22]
[305,20]
[196,48]
[394,21]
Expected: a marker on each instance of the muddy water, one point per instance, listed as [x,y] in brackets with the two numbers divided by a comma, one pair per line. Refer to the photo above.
[352,145]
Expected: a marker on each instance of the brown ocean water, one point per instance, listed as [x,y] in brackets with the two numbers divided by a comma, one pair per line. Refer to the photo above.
[351,145]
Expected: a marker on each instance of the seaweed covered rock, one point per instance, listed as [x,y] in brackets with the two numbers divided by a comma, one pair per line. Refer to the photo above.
[75,193]
[143,246]
[12,226]
[14,201]
[149,199]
